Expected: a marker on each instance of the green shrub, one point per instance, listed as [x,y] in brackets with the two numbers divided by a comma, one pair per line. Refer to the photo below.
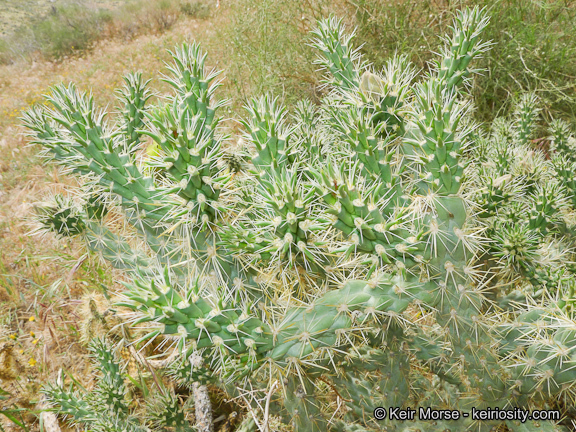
[195,9]
[68,28]
[268,45]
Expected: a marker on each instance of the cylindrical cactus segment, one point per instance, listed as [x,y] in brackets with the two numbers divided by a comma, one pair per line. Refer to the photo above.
[183,313]
[135,94]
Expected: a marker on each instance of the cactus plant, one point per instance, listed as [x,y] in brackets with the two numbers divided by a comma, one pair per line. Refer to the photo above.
[381,250]
[107,408]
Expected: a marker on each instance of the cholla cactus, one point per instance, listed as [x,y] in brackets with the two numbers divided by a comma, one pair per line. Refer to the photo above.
[106,407]
[526,197]
[379,251]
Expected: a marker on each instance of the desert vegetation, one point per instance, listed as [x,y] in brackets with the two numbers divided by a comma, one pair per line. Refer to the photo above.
[260,217]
